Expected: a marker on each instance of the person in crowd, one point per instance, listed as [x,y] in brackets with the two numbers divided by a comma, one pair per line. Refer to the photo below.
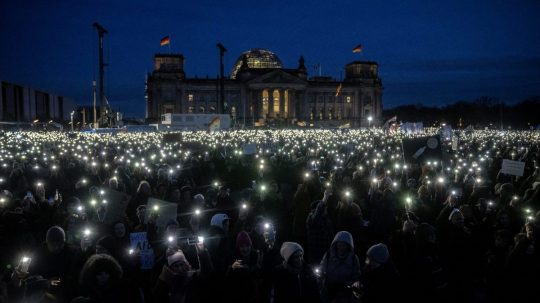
[319,229]
[293,280]
[469,234]
[380,279]
[244,274]
[427,280]
[495,275]
[101,280]
[54,261]
[340,269]
[178,282]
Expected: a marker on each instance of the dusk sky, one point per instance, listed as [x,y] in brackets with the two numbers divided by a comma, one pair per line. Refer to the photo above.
[430,52]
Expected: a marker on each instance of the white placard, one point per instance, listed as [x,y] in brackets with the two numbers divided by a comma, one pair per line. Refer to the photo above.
[515,168]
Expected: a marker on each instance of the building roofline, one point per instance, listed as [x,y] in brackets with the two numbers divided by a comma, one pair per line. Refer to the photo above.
[363,62]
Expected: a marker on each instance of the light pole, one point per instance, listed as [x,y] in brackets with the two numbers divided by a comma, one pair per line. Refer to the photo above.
[369,121]
[95,116]
[72,113]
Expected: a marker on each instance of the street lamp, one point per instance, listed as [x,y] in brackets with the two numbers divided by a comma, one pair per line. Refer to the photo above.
[369,121]
[72,113]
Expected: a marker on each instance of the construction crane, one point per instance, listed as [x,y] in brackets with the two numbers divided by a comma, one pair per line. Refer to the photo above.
[107,117]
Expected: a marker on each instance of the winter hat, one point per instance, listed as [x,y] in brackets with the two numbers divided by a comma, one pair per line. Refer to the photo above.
[176,257]
[345,237]
[288,249]
[378,253]
[243,239]
[217,220]
[56,234]
[198,199]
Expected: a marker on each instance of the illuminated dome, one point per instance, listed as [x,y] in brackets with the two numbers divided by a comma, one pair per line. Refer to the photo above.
[257,58]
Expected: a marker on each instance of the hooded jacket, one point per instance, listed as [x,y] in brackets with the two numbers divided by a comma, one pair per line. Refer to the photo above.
[339,272]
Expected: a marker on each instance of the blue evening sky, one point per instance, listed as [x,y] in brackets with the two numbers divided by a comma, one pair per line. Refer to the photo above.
[429,52]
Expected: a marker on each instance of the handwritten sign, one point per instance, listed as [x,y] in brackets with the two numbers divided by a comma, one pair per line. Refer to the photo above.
[139,242]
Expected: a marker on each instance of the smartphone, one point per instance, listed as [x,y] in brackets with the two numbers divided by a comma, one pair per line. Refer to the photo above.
[195,240]
[24,264]
[29,194]
[457,192]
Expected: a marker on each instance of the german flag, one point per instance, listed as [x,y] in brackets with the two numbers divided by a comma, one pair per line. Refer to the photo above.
[165,40]
[338,91]
[357,48]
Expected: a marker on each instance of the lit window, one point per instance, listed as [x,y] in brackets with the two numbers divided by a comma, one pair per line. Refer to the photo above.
[212,109]
[276,101]
[286,103]
[191,109]
[265,102]
[190,97]
[348,99]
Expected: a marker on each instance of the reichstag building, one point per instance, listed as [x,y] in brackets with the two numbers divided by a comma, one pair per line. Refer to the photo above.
[260,91]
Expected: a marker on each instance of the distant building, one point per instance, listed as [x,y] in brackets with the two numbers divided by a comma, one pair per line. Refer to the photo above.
[25,104]
[260,91]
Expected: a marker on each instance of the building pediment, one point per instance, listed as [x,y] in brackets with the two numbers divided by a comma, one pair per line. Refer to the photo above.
[276,78]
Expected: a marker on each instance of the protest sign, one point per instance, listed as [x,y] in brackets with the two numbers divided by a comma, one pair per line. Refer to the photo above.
[515,168]
[422,149]
[139,243]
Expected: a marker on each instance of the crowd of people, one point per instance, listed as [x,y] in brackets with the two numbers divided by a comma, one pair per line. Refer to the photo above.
[269,216]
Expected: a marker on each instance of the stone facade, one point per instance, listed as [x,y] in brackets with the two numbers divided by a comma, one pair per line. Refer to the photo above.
[20,103]
[260,92]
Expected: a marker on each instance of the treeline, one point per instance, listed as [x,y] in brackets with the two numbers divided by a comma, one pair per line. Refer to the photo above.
[482,112]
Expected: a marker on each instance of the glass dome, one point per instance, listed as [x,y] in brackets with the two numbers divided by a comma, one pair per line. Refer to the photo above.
[257,58]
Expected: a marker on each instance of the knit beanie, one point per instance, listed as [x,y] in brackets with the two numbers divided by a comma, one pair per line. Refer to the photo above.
[217,220]
[378,253]
[176,257]
[288,249]
[198,199]
[243,239]
[55,234]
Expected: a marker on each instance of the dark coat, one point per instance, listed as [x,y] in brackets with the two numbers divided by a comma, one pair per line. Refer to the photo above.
[295,287]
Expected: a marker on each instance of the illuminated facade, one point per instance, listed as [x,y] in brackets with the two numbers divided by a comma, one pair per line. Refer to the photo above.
[260,91]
